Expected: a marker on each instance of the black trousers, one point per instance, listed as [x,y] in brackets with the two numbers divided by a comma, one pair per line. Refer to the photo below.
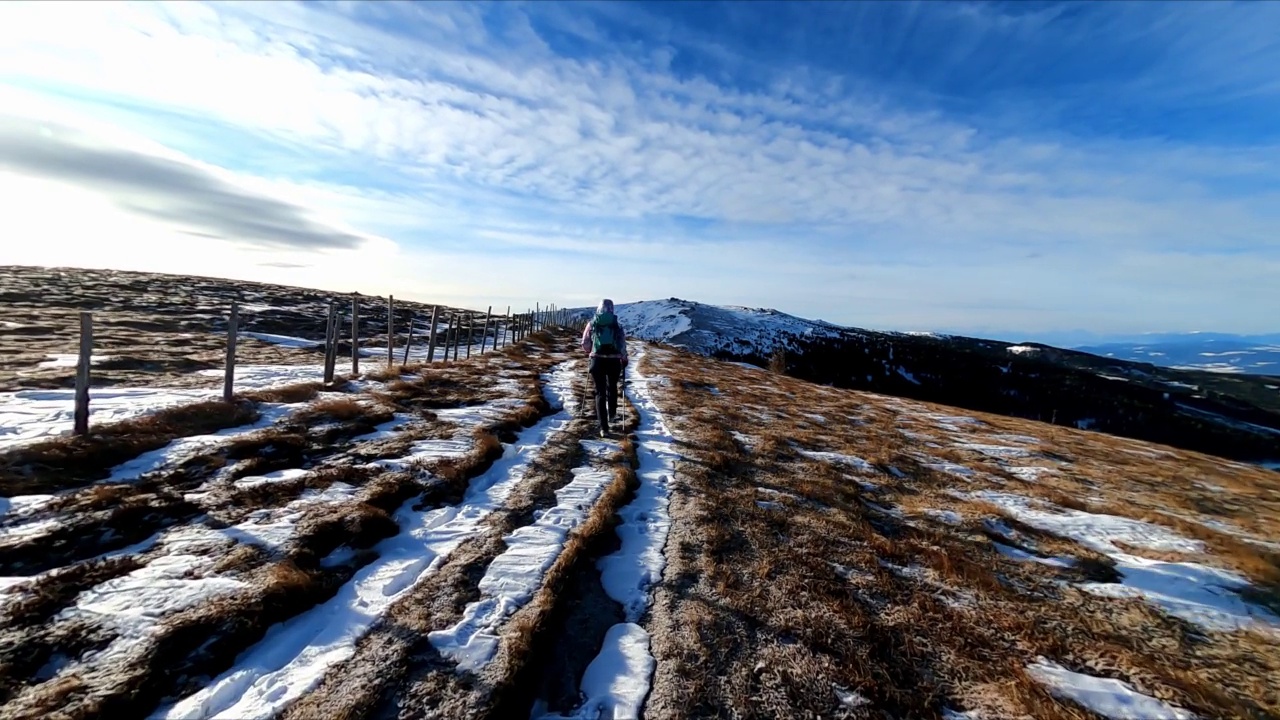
[605,373]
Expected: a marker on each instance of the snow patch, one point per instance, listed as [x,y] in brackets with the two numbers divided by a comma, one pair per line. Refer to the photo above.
[34,415]
[59,360]
[996,451]
[1200,594]
[617,680]
[284,340]
[1114,699]
[1028,473]
[949,517]
[852,461]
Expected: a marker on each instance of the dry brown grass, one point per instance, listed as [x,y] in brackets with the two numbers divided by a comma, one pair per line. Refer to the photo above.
[296,393]
[342,409]
[754,619]
[71,461]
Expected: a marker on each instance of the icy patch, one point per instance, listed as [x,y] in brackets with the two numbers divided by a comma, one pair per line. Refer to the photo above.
[271,477]
[294,655]
[1114,699]
[1029,473]
[1200,594]
[284,340]
[852,461]
[770,505]
[33,415]
[515,575]
[888,511]
[848,573]
[60,360]
[1019,439]
[996,451]
[949,714]
[954,419]
[959,471]
[1018,554]
[850,698]
[949,517]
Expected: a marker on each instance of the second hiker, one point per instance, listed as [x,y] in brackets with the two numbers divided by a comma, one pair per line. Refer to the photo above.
[604,340]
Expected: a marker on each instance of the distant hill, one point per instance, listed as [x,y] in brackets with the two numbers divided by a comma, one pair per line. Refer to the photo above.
[1232,415]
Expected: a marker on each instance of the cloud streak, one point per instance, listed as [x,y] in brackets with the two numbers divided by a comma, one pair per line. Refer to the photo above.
[176,193]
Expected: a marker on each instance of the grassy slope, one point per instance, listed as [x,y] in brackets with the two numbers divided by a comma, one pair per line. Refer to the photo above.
[792,580]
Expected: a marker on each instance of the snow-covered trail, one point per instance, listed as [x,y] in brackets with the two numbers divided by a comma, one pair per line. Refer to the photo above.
[294,656]
[514,576]
[618,679]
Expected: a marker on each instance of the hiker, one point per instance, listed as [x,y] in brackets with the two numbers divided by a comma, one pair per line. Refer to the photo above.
[604,340]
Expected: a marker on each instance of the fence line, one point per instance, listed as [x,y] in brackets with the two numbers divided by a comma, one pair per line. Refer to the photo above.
[505,329]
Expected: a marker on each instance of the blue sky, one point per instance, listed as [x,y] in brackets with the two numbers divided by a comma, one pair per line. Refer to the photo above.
[1009,169]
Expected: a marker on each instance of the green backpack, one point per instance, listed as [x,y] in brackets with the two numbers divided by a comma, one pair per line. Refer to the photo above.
[604,327]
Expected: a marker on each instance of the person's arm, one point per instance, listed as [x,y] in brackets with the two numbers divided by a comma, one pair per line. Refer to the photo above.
[586,338]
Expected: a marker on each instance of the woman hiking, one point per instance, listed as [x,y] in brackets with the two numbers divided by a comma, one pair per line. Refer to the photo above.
[604,340]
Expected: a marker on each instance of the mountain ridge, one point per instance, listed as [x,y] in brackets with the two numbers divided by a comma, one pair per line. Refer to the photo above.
[1237,416]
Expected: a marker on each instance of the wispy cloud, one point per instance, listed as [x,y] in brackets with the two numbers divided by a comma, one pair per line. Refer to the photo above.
[904,145]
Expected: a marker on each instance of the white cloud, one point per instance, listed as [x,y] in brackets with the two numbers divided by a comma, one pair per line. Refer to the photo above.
[507,146]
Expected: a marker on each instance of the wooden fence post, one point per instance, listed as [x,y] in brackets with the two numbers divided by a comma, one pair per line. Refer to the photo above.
[408,342]
[457,339]
[391,329]
[355,335]
[484,336]
[506,326]
[233,328]
[82,374]
[431,341]
[331,343]
[471,332]
[451,350]
[448,336]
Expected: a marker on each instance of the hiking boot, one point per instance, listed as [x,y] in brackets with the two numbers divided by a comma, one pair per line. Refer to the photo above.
[604,433]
